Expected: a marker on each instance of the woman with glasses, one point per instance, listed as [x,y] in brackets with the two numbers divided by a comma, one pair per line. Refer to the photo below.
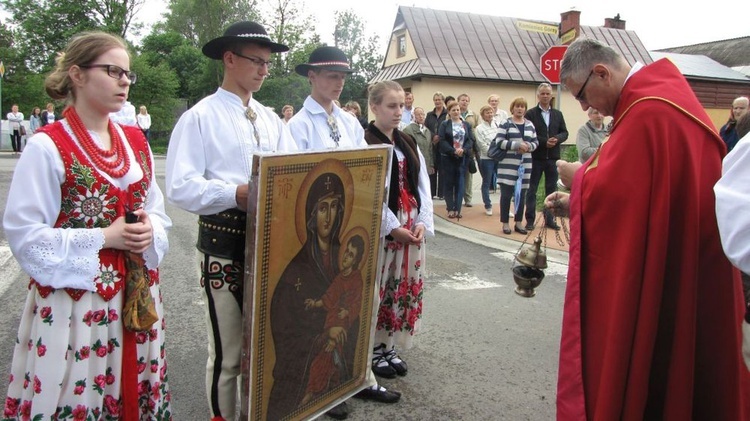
[65,223]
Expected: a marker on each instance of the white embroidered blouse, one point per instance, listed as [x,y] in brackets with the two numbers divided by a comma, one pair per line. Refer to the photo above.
[66,257]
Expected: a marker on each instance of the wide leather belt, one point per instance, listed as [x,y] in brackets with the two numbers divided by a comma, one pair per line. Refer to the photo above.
[223,234]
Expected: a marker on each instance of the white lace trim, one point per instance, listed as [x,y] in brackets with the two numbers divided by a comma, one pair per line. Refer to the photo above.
[41,259]
[37,255]
[84,265]
[391,224]
[88,239]
[426,220]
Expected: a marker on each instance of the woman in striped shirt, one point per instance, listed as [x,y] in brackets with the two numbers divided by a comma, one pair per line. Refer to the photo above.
[518,136]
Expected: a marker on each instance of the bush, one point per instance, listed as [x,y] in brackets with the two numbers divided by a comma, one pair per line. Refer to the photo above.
[159,141]
[569,153]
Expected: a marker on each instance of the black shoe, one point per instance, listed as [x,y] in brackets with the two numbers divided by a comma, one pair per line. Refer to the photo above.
[396,362]
[529,227]
[380,365]
[552,226]
[339,412]
[380,394]
[520,230]
[507,231]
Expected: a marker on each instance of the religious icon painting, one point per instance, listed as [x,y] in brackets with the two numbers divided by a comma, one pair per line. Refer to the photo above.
[310,302]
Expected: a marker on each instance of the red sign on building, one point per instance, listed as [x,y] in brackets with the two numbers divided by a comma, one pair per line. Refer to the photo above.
[549,63]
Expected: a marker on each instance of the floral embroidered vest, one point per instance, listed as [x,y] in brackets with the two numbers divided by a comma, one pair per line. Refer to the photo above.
[90,201]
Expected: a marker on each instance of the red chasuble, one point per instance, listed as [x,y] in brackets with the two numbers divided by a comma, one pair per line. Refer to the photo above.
[651,323]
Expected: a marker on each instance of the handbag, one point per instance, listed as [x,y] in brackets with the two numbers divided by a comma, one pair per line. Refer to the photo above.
[139,309]
[22,130]
[495,152]
[472,165]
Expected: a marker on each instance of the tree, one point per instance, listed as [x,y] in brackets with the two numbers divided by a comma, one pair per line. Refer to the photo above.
[43,30]
[287,25]
[156,89]
[192,69]
[19,86]
[114,16]
[44,27]
[349,36]
[288,89]
[199,21]
[202,20]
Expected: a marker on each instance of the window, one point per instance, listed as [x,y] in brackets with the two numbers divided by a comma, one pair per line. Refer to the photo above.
[401,46]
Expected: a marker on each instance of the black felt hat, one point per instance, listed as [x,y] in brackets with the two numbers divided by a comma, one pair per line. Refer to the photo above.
[328,58]
[244,31]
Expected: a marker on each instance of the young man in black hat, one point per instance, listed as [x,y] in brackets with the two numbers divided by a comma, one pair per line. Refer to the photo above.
[320,125]
[208,165]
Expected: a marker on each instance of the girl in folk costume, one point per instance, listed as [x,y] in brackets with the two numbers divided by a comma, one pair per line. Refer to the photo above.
[65,223]
[408,220]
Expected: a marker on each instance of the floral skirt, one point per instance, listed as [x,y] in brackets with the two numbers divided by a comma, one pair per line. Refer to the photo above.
[68,361]
[401,282]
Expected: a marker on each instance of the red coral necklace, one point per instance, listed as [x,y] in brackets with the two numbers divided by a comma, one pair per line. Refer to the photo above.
[106,160]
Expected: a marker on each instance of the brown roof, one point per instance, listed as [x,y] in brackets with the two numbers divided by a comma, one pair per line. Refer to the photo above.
[733,52]
[471,46]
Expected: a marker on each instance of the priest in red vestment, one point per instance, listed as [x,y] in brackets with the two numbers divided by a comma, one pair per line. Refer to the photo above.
[653,308]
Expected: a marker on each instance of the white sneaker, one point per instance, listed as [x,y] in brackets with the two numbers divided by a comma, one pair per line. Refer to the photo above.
[488,211]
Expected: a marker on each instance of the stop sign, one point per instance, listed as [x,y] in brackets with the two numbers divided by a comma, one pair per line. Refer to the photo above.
[549,63]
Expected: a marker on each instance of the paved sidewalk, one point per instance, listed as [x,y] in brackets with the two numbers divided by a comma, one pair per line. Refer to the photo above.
[477,227]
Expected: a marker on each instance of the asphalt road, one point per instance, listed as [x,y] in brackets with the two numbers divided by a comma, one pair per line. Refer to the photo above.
[484,353]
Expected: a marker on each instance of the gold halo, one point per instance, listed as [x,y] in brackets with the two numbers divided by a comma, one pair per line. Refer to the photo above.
[351,233]
[326,166]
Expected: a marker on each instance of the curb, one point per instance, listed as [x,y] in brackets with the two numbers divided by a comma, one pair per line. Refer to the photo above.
[491,241]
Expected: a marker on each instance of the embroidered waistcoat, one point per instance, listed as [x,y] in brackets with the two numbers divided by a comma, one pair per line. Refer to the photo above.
[90,201]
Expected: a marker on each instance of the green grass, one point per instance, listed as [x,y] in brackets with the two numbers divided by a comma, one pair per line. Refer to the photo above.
[158,142]
[570,154]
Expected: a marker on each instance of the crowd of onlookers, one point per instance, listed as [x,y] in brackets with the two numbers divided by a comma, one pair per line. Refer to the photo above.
[455,140]
[37,118]
[531,135]
[19,133]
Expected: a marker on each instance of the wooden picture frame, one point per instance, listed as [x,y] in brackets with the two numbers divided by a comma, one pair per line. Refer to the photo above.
[310,299]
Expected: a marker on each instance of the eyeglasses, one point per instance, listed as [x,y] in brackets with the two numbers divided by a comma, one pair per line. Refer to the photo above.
[257,61]
[580,97]
[115,72]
